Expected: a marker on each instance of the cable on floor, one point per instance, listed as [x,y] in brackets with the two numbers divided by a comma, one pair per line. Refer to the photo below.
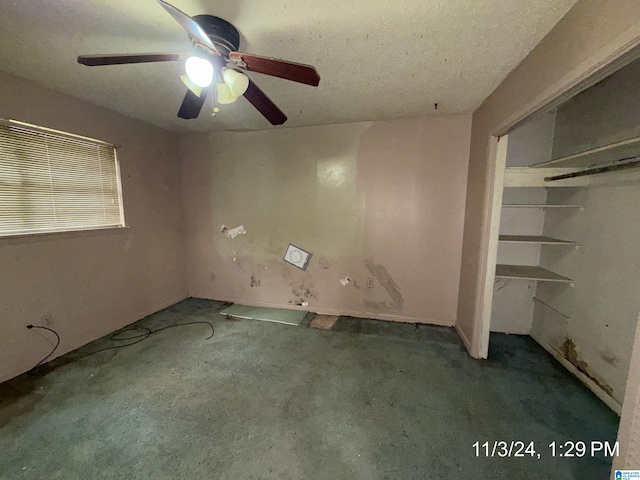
[143,334]
[147,332]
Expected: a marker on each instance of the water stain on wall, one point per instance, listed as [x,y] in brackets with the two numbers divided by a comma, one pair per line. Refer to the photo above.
[570,352]
[324,263]
[304,291]
[500,284]
[610,358]
[254,281]
[46,320]
[382,275]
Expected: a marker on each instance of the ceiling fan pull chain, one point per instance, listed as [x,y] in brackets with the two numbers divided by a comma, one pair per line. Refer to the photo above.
[214,96]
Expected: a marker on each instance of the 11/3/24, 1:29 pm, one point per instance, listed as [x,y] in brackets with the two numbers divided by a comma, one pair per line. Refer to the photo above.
[568,448]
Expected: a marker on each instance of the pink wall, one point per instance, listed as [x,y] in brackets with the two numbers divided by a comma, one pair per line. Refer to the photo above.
[590,32]
[380,199]
[85,285]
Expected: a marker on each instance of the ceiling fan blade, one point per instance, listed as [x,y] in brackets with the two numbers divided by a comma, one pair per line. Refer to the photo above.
[192,104]
[117,59]
[264,105]
[191,26]
[296,72]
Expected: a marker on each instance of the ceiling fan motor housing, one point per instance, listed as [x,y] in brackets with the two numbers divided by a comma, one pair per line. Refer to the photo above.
[216,40]
[224,35]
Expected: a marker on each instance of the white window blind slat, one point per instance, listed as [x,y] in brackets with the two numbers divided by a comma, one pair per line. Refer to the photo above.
[52,181]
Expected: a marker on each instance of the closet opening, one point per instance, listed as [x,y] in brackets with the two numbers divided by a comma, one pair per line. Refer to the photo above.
[566,224]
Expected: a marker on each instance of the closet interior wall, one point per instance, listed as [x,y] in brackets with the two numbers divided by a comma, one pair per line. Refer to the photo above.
[599,314]
[583,307]
[513,299]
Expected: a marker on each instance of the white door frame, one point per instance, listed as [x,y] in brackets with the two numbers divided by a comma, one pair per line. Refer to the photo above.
[498,154]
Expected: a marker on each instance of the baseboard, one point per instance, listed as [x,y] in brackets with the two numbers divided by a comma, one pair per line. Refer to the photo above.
[607,399]
[5,376]
[512,332]
[332,311]
[162,306]
[134,318]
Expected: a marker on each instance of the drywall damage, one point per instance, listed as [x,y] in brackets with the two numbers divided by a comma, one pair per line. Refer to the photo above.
[233,232]
[570,352]
[381,274]
[303,292]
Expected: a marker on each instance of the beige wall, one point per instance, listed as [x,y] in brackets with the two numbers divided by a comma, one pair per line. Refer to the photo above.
[84,285]
[591,31]
[602,308]
[606,113]
[382,200]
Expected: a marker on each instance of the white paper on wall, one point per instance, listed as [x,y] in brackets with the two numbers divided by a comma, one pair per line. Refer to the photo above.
[297,257]
[233,232]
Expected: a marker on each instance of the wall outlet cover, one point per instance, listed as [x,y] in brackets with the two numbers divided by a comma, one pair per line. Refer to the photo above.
[297,257]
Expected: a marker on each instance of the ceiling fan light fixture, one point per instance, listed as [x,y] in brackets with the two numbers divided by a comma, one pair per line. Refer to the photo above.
[236,81]
[190,85]
[224,94]
[199,70]
[207,34]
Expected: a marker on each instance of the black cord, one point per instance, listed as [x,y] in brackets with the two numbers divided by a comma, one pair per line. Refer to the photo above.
[143,336]
[116,337]
[54,348]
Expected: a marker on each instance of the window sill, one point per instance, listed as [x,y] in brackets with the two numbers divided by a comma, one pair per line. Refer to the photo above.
[48,236]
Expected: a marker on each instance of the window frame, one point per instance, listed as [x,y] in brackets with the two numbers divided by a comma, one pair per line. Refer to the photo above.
[71,230]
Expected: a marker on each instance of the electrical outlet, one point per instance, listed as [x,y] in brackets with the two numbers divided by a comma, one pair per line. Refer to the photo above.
[369,282]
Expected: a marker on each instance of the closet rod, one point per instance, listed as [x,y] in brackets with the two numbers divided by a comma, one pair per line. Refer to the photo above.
[624,164]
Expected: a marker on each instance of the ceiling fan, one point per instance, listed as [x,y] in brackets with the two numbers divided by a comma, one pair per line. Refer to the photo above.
[216,64]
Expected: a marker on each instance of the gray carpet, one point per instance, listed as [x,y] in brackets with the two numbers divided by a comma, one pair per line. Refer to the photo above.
[366,400]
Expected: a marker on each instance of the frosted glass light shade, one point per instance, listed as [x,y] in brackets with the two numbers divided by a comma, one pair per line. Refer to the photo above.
[224,94]
[190,85]
[199,71]
[236,81]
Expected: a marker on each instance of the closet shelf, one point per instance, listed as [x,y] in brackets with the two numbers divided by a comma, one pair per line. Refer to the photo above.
[527,272]
[597,156]
[530,205]
[537,239]
[534,177]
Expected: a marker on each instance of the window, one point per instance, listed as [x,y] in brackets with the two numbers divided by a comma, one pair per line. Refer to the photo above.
[53,181]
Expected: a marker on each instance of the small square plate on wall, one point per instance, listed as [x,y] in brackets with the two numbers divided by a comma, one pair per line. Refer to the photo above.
[297,257]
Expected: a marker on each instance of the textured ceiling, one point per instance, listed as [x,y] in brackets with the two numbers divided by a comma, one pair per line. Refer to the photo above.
[377,59]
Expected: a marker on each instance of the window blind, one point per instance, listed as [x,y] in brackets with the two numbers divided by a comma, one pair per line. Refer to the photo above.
[51,181]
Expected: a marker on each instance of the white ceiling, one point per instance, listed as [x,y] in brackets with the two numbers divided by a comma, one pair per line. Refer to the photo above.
[378,59]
